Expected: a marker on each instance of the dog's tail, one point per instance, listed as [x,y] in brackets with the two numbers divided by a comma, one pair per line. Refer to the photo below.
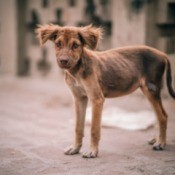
[169,79]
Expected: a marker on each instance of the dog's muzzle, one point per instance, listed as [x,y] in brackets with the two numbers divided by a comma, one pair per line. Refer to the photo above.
[63,62]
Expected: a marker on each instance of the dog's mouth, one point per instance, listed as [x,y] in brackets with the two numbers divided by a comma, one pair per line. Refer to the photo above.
[63,64]
[67,64]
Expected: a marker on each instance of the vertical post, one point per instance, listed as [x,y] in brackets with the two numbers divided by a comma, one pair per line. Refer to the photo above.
[21,35]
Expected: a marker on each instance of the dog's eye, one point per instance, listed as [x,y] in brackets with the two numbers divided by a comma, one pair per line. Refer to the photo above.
[59,44]
[75,46]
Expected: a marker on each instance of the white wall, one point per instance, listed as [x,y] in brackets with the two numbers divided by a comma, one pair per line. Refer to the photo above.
[128,28]
[8,37]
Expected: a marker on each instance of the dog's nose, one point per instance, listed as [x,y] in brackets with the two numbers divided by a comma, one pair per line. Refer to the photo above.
[64,62]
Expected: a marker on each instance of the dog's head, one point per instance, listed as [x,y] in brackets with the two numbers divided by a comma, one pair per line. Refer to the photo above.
[69,41]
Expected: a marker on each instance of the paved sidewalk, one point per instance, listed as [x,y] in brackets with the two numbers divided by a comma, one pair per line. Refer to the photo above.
[37,123]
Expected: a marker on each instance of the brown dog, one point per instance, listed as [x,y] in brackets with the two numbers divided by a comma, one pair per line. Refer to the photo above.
[93,75]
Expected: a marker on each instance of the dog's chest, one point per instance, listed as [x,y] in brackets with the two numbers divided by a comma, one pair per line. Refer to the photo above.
[75,85]
[79,88]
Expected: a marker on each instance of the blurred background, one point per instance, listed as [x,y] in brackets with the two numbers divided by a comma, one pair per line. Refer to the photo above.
[126,22]
[36,108]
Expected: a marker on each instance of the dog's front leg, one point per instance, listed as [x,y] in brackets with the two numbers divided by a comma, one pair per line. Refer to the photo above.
[97,106]
[80,110]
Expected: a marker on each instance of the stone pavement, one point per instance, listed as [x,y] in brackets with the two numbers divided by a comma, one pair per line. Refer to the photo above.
[37,123]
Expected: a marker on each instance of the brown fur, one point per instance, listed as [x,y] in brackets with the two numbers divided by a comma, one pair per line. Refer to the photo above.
[93,75]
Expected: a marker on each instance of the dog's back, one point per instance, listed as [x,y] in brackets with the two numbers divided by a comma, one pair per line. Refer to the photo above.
[122,70]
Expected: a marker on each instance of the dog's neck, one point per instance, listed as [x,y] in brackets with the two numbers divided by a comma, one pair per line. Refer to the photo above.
[73,71]
[83,66]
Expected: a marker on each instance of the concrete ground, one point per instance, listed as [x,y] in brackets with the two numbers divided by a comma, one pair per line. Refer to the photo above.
[36,124]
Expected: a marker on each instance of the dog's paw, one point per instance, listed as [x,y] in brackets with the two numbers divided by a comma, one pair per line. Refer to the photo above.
[72,150]
[90,154]
[159,146]
[152,141]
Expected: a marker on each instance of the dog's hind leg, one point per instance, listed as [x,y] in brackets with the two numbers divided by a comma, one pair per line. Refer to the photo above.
[153,96]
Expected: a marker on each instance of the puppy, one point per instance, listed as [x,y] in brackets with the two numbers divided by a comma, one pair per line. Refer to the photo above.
[94,76]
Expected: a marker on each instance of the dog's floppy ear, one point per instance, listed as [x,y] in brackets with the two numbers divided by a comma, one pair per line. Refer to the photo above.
[47,32]
[90,36]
